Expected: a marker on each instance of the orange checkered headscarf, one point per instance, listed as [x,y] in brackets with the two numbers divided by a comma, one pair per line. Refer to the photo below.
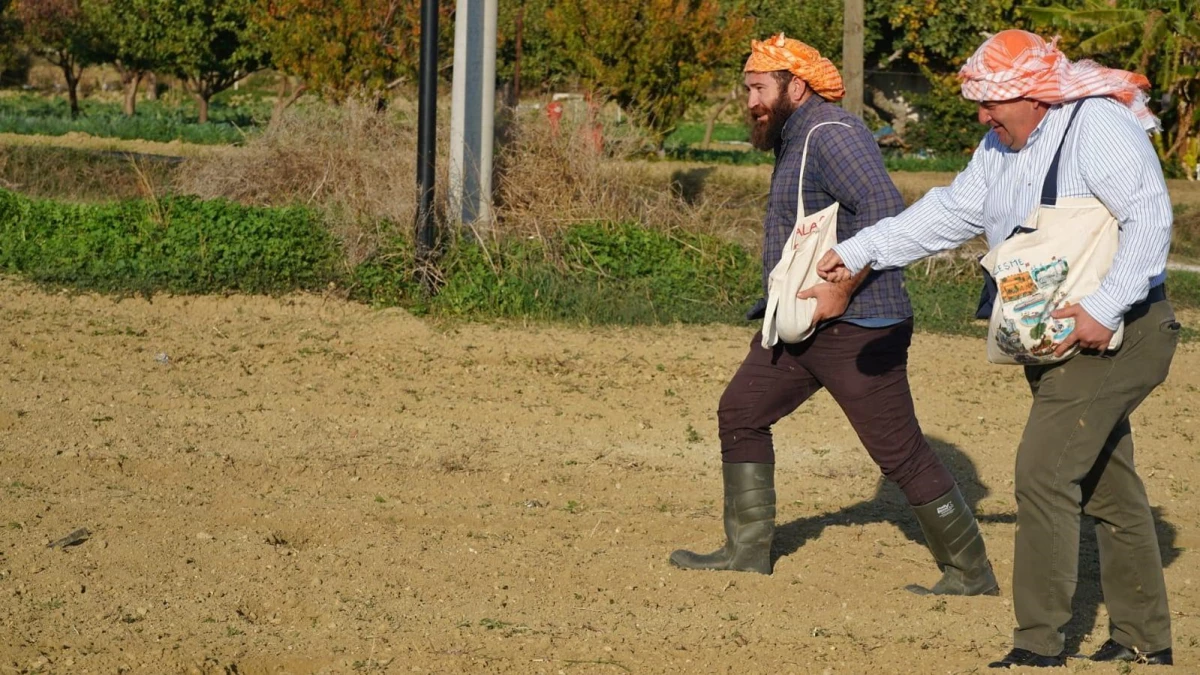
[806,63]
[1018,64]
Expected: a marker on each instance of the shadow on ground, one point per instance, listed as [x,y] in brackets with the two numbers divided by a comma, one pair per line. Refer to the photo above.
[889,506]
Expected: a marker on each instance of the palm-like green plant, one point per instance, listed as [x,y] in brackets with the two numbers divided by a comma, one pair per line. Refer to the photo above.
[1158,38]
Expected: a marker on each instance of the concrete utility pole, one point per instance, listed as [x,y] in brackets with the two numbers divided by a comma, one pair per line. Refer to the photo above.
[473,112]
[852,56]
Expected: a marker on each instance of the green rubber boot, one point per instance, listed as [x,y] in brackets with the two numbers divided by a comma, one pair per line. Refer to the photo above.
[749,523]
[957,545]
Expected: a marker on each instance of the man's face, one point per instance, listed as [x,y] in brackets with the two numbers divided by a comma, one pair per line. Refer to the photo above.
[1013,120]
[768,107]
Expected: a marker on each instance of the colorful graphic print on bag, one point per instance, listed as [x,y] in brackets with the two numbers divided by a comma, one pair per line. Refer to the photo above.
[1029,295]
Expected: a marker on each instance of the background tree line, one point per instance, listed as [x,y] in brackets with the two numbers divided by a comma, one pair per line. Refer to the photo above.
[657,59]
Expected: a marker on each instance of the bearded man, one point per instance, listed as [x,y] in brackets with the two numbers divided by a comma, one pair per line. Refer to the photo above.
[859,351]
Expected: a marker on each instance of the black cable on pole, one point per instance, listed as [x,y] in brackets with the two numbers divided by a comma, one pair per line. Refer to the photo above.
[427,128]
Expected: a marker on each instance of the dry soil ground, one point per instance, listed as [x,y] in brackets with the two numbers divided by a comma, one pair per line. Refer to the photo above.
[304,485]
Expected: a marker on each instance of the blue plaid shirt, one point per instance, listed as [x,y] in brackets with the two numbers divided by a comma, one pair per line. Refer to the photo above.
[844,165]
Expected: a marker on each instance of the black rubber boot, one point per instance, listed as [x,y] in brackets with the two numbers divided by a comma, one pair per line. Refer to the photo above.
[956,544]
[749,522]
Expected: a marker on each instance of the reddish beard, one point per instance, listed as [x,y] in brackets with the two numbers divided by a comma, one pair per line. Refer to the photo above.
[765,134]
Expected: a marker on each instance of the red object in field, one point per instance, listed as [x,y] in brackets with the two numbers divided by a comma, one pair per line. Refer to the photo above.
[598,138]
[593,122]
[554,112]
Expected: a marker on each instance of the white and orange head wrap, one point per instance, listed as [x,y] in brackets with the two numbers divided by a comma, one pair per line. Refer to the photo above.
[780,53]
[1018,64]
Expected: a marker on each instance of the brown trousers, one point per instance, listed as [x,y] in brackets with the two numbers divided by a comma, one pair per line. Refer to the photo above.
[866,372]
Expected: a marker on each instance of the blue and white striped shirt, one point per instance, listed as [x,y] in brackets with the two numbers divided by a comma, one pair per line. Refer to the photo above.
[1107,155]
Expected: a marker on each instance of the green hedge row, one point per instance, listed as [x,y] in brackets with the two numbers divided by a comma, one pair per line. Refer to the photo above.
[595,273]
[684,144]
[891,161]
[179,244]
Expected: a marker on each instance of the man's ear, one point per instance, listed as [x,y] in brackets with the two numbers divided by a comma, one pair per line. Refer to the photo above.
[796,89]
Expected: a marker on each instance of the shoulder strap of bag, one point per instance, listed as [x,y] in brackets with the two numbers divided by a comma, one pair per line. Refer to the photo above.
[804,162]
[987,296]
[1050,184]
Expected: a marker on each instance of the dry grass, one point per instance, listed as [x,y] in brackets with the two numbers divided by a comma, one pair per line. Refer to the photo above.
[545,182]
[83,175]
[1185,235]
[356,164]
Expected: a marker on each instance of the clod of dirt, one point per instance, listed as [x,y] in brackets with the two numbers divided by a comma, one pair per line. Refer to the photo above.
[75,538]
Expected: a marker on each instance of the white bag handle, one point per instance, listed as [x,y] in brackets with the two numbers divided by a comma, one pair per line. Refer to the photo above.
[790,275]
[804,163]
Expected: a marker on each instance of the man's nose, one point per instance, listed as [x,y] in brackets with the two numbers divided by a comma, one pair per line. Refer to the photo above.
[983,115]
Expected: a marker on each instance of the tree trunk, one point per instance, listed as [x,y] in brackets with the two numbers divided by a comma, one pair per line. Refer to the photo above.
[516,81]
[151,86]
[202,104]
[716,111]
[68,67]
[897,109]
[282,103]
[73,92]
[852,56]
[129,82]
[1183,132]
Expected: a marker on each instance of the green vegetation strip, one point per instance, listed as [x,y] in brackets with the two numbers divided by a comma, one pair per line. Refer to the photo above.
[179,244]
[591,274]
[153,121]
[686,143]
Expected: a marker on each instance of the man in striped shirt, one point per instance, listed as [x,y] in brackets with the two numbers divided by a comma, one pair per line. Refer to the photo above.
[859,355]
[1076,454]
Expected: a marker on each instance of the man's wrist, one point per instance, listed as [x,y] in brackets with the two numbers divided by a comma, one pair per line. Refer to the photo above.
[1105,311]
[846,288]
[854,254]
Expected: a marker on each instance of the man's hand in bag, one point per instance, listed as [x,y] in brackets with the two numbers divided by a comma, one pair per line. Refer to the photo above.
[832,300]
[1088,334]
[831,268]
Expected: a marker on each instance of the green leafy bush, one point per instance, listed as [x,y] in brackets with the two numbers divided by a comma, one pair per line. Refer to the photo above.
[948,163]
[948,125]
[595,273]
[181,244]
[683,153]
[690,133]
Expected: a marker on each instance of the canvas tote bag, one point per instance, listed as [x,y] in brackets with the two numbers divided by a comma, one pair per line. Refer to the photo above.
[1061,255]
[789,319]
